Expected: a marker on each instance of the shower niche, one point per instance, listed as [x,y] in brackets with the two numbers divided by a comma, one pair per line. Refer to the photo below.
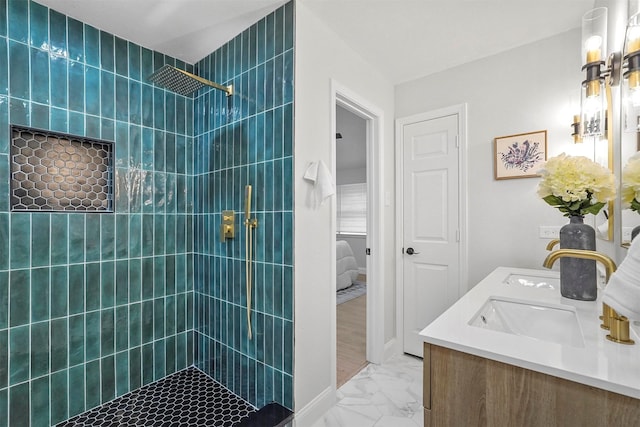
[59,172]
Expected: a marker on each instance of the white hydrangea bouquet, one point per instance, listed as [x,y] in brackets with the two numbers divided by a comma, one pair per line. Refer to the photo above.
[631,184]
[576,185]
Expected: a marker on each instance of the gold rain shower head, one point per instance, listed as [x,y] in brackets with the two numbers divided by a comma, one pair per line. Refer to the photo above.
[183,82]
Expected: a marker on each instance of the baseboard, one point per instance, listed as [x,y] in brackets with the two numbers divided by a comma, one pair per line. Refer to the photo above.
[390,349]
[314,410]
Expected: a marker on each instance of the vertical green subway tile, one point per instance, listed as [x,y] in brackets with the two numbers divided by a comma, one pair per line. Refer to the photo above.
[122,373]
[135,367]
[122,236]
[76,390]
[19,354]
[92,238]
[122,282]
[40,402]
[92,336]
[170,316]
[107,284]
[39,76]
[19,297]
[93,385]
[181,320]
[108,331]
[134,61]
[135,236]
[107,95]
[76,238]
[59,291]
[4,358]
[4,393]
[92,91]
[170,358]
[59,383]
[121,56]
[76,339]
[107,236]
[159,357]
[4,241]
[19,21]
[40,294]
[158,234]
[158,318]
[147,364]
[4,300]
[58,120]
[106,51]
[107,129]
[20,240]
[147,235]
[3,23]
[108,378]
[40,116]
[59,344]
[122,328]
[170,275]
[147,278]
[135,325]
[147,321]
[92,286]
[122,98]
[76,288]
[75,31]
[58,91]
[19,112]
[19,408]
[76,86]
[57,33]
[40,226]
[92,45]
[59,236]
[147,106]
[40,349]
[135,280]
[158,276]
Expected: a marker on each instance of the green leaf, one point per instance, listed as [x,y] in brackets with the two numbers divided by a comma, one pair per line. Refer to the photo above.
[594,209]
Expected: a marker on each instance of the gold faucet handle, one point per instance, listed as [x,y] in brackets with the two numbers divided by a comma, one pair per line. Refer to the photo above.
[619,331]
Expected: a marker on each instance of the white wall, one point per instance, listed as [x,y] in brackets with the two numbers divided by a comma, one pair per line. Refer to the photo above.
[320,57]
[531,88]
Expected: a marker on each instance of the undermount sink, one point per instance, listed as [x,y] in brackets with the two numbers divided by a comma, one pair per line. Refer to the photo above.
[557,324]
[533,281]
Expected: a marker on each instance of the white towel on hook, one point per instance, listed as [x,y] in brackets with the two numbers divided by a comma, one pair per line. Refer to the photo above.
[623,291]
[318,173]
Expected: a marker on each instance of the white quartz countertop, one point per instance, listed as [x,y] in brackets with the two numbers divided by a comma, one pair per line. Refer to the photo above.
[599,363]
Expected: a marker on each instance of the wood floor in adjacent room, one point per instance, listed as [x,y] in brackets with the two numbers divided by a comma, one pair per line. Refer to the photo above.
[351,338]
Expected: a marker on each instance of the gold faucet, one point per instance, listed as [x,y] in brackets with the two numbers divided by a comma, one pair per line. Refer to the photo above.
[552,243]
[609,264]
[617,325]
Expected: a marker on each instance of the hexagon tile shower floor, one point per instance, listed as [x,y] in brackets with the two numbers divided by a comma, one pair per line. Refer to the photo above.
[186,398]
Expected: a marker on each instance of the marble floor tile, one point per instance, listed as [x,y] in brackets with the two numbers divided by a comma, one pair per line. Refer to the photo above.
[387,395]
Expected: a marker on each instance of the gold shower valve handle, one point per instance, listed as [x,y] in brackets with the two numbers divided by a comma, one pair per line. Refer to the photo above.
[253,222]
[227,226]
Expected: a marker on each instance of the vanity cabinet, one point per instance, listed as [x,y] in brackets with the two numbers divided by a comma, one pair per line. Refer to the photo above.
[466,390]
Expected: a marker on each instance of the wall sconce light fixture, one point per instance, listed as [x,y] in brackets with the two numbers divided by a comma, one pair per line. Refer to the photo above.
[596,87]
[631,85]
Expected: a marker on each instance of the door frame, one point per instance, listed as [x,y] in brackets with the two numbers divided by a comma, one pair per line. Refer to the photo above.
[344,97]
[461,111]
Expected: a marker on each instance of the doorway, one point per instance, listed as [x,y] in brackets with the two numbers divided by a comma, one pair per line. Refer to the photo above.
[431,219]
[351,243]
[365,245]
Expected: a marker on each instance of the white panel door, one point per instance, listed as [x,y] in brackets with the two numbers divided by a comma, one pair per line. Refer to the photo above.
[431,225]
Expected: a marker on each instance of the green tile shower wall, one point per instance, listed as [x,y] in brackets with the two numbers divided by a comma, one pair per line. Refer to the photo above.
[92,305]
[247,139]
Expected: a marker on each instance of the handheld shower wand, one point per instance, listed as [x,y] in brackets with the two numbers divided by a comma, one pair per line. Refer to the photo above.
[250,224]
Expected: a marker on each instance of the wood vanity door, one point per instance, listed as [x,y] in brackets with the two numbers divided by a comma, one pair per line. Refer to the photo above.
[467,390]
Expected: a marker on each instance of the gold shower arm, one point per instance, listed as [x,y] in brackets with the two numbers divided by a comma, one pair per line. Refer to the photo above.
[227,89]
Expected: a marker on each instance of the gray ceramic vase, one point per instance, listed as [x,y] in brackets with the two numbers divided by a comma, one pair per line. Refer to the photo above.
[578,278]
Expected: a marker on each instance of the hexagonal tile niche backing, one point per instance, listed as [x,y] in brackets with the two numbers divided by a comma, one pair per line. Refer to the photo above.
[186,398]
[58,172]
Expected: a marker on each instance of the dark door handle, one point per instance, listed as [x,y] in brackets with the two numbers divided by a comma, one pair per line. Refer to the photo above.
[410,251]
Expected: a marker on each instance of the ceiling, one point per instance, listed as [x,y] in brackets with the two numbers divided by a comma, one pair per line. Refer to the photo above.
[403,39]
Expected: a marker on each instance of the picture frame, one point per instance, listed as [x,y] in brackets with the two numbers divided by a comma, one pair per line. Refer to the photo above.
[520,155]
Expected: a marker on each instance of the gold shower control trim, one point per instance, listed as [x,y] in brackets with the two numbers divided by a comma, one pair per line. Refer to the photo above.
[227,226]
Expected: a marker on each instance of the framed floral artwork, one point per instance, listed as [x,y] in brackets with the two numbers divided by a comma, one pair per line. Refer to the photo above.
[521,155]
